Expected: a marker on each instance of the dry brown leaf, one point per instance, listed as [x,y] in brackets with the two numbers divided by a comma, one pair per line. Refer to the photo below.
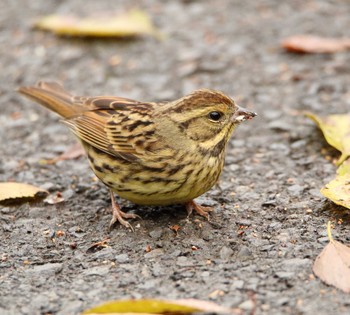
[98,246]
[132,23]
[333,264]
[14,192]
[315,44]
[175,228]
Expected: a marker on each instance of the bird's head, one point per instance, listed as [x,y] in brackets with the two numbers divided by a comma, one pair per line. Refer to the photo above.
[208,117]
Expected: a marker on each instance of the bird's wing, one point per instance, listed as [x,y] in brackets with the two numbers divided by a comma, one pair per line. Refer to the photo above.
[116,126]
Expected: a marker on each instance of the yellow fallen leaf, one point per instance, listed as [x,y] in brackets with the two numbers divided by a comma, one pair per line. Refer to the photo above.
[338,190]
[344,169]
[12,192]
[153,306]
[333,264]
[336,130]
[132,23]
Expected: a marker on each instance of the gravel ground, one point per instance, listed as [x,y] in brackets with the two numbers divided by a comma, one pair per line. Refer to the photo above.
[257,251]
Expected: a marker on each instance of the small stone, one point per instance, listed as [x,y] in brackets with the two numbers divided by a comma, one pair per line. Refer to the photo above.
[176,253]
[67,194]
[299,144]
[148,285]
[295,263]
[285,274]
[244,253]
[158,252]
[105,253]
[205,274]
[71,307]
[46,270]
[225,252]
[48,186]
[267,248]
[183,261]
[295,190]
[158,270]
[207,235]
[280,125]
[156,233]
[315,193]
[275,225]
[97,271]
[122,258]
[237,284]
[246,305]
[282,301]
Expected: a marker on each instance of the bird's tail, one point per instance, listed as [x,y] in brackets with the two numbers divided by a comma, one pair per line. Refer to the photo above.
[53,96]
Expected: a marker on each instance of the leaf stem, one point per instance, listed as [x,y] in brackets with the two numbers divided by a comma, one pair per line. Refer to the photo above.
[329,232]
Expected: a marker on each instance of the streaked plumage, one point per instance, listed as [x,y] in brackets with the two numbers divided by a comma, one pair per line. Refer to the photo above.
[149,153]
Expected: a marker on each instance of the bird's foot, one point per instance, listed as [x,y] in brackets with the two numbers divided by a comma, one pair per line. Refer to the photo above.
[118,215]
[203,211]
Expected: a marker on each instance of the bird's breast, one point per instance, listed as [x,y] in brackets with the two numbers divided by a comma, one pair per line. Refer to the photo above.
[159,180]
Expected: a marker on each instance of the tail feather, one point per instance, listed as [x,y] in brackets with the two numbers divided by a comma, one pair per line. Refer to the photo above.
[53,96]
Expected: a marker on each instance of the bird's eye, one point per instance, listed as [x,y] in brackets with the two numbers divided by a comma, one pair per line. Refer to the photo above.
[215,116]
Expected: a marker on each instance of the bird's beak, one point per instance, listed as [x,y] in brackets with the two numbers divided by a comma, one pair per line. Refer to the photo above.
[242,114]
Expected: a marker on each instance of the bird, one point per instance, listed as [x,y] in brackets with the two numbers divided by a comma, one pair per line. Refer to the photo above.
[149,153]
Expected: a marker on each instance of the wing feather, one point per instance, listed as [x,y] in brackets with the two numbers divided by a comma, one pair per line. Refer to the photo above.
[115,125]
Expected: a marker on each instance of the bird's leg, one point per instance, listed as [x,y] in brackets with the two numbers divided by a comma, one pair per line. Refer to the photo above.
[203,211]
[119,215]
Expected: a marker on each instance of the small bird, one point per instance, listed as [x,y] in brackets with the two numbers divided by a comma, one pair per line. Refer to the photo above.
[149,153]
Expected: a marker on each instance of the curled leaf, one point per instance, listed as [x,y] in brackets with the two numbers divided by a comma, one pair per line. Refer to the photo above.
[132,23]
[98,246]
[153,306]
[73,152]
[315,44]
[54,199]
[338,190]
[336,130]
[332,265]
[344,169]
[19,192]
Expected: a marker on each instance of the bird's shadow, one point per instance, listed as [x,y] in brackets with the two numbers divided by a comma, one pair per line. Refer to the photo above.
[169,214]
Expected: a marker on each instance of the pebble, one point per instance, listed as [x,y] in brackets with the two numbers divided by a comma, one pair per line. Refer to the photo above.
[285,274]
[47,270]
[295,190]
[96,271]
[280,125]
[225,252]
[244,253]
[183,261]
[122,258]
[105,253]
[296,263]
[237,284]
[246,305]
[158,252]
[156,233]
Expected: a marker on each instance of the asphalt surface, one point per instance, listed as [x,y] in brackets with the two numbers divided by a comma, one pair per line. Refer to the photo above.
[269,223]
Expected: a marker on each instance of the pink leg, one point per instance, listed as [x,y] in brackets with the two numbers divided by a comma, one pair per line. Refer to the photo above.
[203,211]
[119,215]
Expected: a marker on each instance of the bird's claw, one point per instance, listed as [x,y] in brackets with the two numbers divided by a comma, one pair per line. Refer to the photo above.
[119,215]
[203,211]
